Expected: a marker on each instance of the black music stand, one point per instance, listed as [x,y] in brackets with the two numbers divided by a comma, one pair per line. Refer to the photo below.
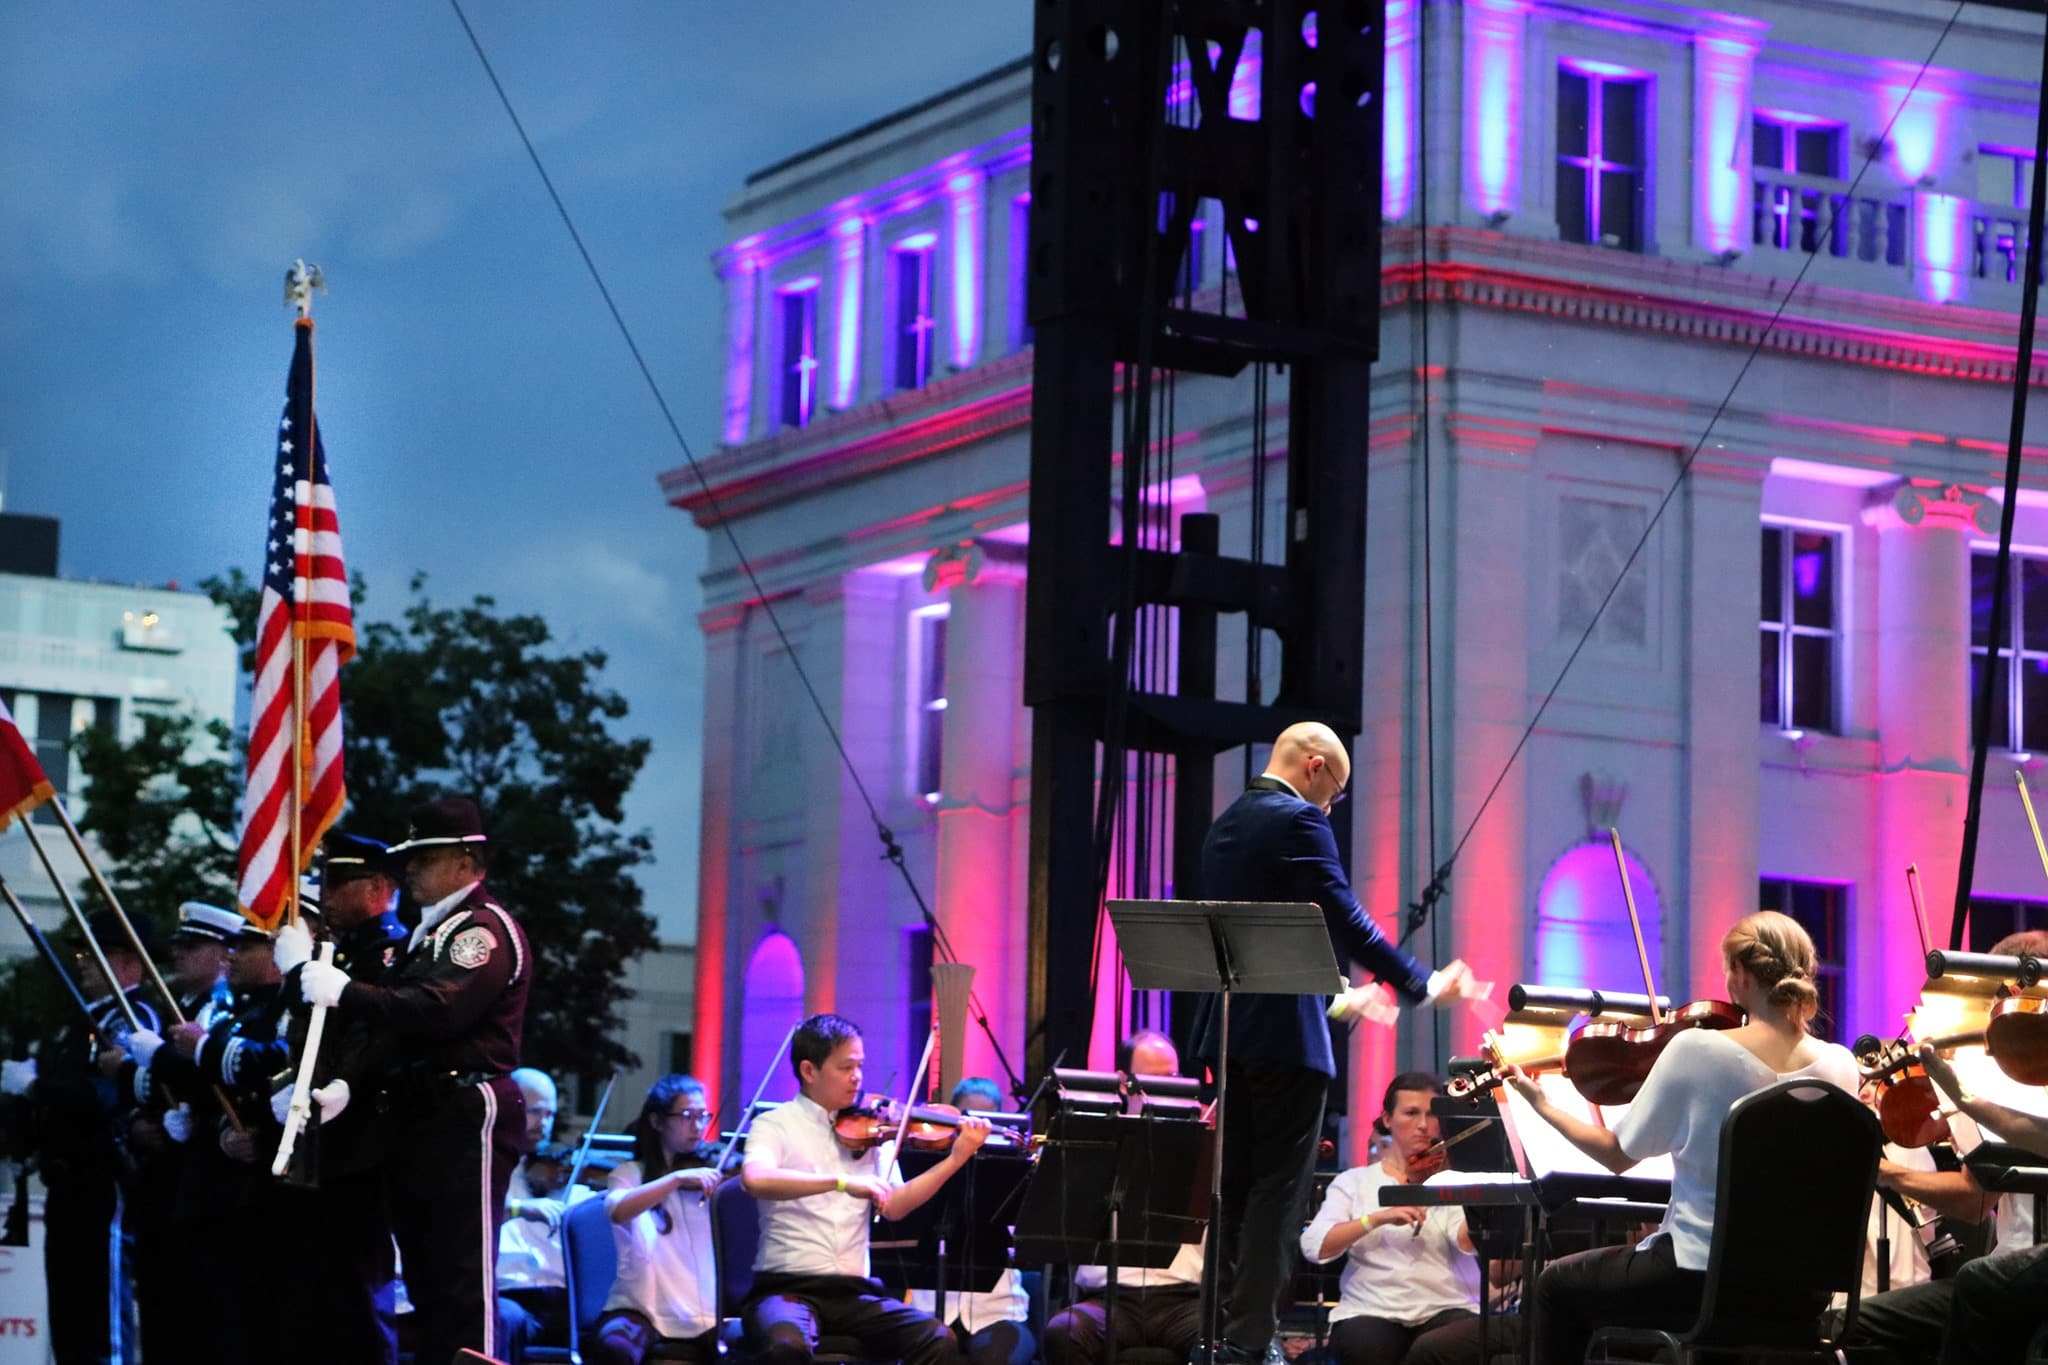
[1111,1189]
[959,1241]
[1224,948]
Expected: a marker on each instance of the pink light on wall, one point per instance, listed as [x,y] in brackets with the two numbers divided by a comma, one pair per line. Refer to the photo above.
[1938,245]
[1916,132]
[1493,95]
[1582,931]
[852,242]
[966,193]
[1397,114]
[742,287]
[1720,151]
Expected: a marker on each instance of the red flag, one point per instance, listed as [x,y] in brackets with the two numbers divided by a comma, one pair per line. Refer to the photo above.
[23,783]
[305,597]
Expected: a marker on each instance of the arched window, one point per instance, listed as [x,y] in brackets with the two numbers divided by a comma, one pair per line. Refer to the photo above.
[774,1004]
[1582,933]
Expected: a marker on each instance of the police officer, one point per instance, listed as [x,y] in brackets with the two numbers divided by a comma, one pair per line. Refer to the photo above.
[80,1115]
[336,1186]
[445,1030]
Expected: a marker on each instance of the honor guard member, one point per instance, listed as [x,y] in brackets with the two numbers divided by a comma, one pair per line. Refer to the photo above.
[81,1112]
[168,1278]
[444,1031]
[350,1277]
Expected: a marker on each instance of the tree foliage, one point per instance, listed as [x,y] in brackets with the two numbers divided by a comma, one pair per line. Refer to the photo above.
[464,700]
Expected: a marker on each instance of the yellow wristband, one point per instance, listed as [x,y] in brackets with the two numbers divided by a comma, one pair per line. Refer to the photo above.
[840,1184]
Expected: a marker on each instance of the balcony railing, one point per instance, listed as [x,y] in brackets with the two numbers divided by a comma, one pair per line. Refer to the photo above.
[1997,243]
[1818,215]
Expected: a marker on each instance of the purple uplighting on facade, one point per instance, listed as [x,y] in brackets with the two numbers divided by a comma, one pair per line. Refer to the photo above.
[1397,114]
[1493,98]
[1722,78]
[851,253]
[741,285]
[1916,132]
[965,190]
[1938,245]
[1582,931]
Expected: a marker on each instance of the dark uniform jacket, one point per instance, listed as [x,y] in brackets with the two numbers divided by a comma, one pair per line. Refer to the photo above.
[1272,846]
[81,1117]
[456,1004]
[346,1145]
[240,1057]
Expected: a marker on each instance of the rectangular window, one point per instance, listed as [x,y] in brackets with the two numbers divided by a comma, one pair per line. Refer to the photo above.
[915,319]
[1992,920]
[1800,629]
[1600,162]
[2005,177]
[680,1050]
[799,355]
[1822,909]
[2019,699]
[928,700]
[1809,217]
[1021,332]
[917,995]
[52,744]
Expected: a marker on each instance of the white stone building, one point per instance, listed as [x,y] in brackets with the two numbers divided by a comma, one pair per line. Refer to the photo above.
[1599,317]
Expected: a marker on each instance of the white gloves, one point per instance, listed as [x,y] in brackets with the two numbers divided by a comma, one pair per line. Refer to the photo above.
[332,1099]
[293,946]
[321,983]
[281,1104]
[142,1045]
[17,1077]
[178,1123]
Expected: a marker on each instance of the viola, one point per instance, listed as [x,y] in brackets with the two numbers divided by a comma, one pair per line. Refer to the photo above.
[1608,1063]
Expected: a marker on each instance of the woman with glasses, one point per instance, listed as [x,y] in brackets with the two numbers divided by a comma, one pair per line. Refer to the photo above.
[666,1290]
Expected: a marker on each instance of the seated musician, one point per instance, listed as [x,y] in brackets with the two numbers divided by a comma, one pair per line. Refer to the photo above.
[1657,1284]
[665,1292]
[991,1327]
[1408,1270]
[1986,1310]
[817,1197]
[1153,1307]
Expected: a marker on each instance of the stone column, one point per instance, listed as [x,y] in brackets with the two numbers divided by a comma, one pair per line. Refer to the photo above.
[1923,719]
[1724,63]
[742,315]
[1716,877]
[717,975]
[979,902]
[1496,40]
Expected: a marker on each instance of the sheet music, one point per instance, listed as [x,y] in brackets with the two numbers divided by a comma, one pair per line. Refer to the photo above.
[1980,1075]
[1541,1150]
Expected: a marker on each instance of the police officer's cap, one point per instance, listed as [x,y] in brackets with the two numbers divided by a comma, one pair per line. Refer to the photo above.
[450,821]
[199,922]
[346,857]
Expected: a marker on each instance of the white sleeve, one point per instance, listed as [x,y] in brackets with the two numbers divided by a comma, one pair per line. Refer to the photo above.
[1338,1207]
[765,1147]
[1656,1119]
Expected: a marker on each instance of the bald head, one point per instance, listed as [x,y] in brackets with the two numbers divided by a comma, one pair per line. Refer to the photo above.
[1310,758]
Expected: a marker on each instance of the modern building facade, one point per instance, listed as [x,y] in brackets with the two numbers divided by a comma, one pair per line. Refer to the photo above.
[1697,345]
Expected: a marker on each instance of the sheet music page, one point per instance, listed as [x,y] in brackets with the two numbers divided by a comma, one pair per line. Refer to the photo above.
[1979,1074]
[1544,1151]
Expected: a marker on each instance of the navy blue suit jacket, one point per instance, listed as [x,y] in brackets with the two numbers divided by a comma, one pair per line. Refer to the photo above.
[1272,846]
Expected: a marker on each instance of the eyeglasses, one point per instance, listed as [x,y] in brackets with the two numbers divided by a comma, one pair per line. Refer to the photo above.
[693,1115]
[1343,790]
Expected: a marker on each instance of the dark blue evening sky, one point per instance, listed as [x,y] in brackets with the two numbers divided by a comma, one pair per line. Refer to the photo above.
[161,166]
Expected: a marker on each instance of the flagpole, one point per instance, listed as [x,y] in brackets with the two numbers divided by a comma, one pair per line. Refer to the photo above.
[92,945]
[299,286]
[47,953]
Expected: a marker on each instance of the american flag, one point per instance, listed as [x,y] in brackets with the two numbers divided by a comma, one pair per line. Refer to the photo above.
[305,597]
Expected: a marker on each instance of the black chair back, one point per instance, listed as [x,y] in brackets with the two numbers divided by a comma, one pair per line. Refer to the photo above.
[735,1239]
[590,1259]
[1798,1166]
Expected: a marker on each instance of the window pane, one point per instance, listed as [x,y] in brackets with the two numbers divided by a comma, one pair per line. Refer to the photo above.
[1813,579]
[1768,145]
[1620,214]
[2033,604]
[1571,113]
[1571,202]
[1982,575]
[1816,151]
[1621,116]
[2001,702]
[1813,682]
[931,738]
[1772,607]
[1768,710]
[934,658]
[2034,703]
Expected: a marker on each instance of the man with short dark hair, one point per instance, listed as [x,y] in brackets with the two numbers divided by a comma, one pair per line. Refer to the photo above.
[811,1276]
[443,1033]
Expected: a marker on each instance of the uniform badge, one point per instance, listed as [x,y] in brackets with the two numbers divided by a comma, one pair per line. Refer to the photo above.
[472,948]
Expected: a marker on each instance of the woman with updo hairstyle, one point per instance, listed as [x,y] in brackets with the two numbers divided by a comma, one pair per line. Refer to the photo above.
[1408,1270]
[1769,962]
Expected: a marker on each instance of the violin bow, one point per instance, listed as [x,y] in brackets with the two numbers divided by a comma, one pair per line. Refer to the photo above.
[747,1115]
[1635,923]
[916,1080]
[1920,906]
[2032,824]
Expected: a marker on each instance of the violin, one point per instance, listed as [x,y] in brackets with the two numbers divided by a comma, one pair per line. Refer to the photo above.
[1474,1084]
[1908,1106]
[876,1119]
[1608,1063]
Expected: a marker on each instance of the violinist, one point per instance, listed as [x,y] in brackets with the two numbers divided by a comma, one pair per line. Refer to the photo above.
[1986,1309]
[993,1328]
[1154,1307]
[1408,1270]
[1770,973]
[665,1293]
[811,1275]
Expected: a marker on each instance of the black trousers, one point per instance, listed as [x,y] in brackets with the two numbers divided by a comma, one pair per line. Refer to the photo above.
[999,1343]
[171,1265]
[351,1282]
[1612,1287]
[1169,1317]
[789,1313]
[448,1154]
[1460,1343]
[85,1265]
[1381,1341]
[1273,1120]
[624,1337]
